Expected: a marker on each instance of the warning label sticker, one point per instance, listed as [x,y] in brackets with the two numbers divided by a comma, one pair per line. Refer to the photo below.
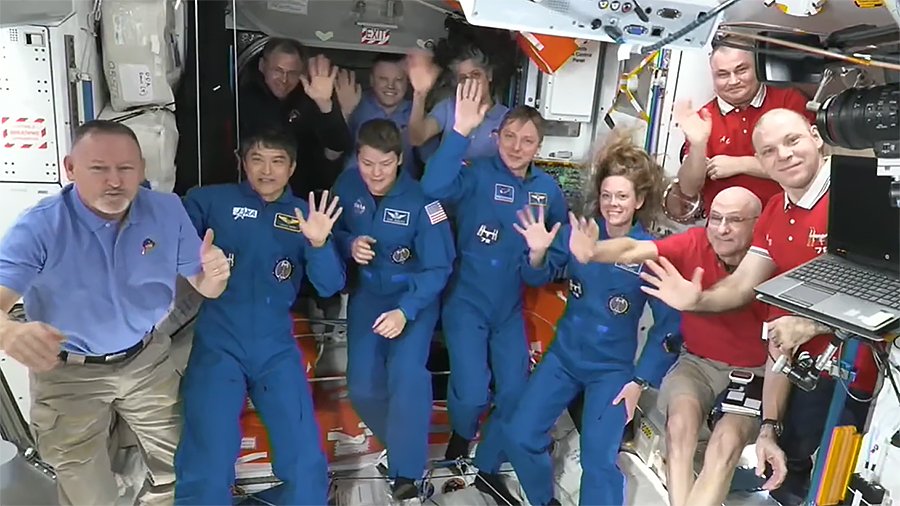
[23,133]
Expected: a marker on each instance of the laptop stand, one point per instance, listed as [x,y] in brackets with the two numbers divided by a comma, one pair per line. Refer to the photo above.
[845,366]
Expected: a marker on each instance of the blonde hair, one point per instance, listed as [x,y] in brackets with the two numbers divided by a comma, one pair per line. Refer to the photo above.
[619,156]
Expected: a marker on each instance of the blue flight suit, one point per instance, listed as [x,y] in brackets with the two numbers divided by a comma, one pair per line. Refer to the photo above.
[388,379]
[243,343]
[593,351]
[369,109]
[482,314]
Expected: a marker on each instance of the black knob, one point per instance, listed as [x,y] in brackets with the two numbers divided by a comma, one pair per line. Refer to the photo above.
[596,24]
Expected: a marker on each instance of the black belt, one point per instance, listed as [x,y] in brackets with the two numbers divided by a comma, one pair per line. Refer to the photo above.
[111,358]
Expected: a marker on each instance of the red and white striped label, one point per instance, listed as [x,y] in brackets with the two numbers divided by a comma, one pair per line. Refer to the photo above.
[375,36]
[23,133]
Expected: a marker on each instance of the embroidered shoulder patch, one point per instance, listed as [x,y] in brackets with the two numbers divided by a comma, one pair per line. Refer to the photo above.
[435,212]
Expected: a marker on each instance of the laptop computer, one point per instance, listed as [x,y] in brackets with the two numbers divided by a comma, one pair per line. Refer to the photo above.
[855,285]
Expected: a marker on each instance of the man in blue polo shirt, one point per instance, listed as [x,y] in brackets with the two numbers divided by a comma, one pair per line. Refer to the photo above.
[97,265]
[470,63]
[386,99]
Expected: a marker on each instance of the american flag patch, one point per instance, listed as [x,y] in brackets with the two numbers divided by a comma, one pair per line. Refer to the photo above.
[435,212]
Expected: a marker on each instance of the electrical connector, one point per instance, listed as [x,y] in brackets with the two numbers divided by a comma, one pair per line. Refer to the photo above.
[872,493]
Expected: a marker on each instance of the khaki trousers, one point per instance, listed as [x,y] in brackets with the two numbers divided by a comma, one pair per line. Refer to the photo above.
[701,378]
[72,410]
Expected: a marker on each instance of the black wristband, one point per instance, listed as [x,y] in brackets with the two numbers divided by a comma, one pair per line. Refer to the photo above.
[644,384]
[776,426]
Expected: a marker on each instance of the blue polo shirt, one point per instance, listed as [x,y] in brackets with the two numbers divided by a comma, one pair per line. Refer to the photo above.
[104,285]
[369,109]
[482,140]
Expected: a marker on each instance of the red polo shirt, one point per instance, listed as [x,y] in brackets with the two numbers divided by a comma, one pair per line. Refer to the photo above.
[732,129]
[735,337]
[790,234]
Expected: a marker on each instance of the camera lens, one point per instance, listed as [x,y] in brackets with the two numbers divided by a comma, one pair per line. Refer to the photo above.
[862,118]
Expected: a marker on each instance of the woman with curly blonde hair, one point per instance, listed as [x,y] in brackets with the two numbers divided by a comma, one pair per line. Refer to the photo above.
[596,338]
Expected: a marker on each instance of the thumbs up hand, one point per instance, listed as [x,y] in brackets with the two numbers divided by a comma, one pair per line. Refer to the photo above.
[215,265]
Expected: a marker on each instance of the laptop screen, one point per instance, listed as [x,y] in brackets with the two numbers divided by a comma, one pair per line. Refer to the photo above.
[862,224]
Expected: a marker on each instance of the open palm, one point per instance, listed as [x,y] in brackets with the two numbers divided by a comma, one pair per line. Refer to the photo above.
[582,238]
[534,230]
[422,71]
[696,125]
[319,84]
[317,226]
[470,109]
[669,286]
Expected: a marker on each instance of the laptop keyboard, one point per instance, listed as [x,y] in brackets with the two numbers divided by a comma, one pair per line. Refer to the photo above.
[851,280]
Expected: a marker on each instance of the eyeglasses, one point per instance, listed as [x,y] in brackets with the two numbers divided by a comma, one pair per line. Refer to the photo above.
[285,75]
[716,220]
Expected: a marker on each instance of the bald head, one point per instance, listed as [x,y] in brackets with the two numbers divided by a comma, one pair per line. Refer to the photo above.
[737,199]
[789,150]
[732,216]
[782,119]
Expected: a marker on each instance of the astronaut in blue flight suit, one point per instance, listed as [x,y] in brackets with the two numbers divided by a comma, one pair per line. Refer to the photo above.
[243,340]
[482,313]
[596,338]
[403,246]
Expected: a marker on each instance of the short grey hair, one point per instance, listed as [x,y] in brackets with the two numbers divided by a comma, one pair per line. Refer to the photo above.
[103,126]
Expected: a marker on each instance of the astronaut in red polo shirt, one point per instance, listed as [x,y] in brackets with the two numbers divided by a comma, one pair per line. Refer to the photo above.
[714,345]
[718,150]
[792,229]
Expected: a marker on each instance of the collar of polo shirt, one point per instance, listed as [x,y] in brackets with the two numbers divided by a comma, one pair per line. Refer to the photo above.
[816,191]
[369,100]
[757,101]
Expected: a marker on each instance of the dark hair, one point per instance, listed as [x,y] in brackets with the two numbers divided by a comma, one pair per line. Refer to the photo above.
[524,113]
[103,126]
[731,41]
[381,134]
[620,157]
[271,139]
[284,45]
[474,53]
[488,46]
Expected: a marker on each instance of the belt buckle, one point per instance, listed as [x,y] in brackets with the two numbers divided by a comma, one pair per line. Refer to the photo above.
[74,358]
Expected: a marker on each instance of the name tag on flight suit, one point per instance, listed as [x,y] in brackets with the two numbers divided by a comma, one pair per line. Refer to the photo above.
[287,222]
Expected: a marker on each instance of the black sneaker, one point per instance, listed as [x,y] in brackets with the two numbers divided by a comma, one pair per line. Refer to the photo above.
[403,489]
[495,486]
[792,491]
[457,448]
